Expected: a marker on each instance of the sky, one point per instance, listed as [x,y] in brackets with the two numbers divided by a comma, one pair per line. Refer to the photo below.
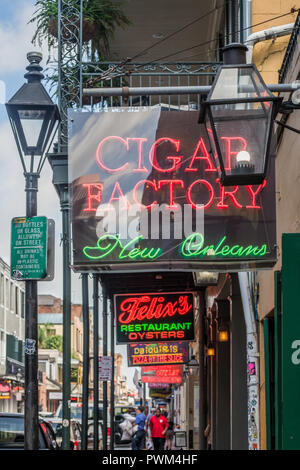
[15,40]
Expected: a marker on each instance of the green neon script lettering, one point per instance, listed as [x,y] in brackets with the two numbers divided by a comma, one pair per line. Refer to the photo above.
[104,248]
[192,246]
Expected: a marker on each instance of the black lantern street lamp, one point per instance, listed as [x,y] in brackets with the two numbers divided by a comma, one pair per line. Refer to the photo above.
[34,119]
[192,366]
[238,115]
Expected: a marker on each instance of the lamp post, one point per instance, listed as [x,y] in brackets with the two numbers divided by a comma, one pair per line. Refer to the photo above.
[59,164]
[33,118]
[192,366]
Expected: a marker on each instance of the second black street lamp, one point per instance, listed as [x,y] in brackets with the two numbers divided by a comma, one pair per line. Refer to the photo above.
[33,117]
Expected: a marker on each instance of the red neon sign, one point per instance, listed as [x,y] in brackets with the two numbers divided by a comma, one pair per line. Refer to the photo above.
[151,317]
[162,374]
[147,308]
[223,198]
[159,167]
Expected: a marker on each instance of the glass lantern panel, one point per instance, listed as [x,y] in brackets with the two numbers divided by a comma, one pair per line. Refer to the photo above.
[210,144]
[31,122]
[242,132]
[238,83]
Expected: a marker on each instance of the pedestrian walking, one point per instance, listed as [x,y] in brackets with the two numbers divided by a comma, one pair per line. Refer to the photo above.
[158,426]
[207,434]
[169,435]
[149,443]
[140,420]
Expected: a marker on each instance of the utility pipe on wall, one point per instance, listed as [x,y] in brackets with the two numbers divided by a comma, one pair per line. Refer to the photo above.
[270,33]
[252,363]
[251,329]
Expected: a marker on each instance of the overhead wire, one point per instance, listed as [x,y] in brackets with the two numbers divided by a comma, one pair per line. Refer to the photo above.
[105,75]
[292,11]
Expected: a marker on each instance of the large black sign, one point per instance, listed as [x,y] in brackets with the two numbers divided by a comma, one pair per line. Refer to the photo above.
[146,196]
[154,317]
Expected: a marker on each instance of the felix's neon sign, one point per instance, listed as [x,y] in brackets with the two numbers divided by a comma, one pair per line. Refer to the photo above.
[152,317]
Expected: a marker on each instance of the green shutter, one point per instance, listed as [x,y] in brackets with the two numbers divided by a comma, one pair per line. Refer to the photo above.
[289,362]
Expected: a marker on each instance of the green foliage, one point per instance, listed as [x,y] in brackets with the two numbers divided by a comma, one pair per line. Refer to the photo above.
[54,342]
[48,341]
[100,17]
[74,374]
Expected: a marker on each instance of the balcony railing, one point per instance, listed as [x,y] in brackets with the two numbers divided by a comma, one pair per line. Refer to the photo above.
[107,74]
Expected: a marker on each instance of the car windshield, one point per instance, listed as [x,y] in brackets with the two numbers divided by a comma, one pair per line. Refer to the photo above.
[12,432]
[76,412]
[57,428]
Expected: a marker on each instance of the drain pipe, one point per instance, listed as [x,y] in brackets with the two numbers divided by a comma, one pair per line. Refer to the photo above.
[270,33]
[252,363]
[251,329]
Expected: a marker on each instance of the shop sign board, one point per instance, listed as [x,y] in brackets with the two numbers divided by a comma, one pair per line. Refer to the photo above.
[5,390]
[153,317]
[157,353]
[162,374]
[180,439]
[105,368]
[145,196]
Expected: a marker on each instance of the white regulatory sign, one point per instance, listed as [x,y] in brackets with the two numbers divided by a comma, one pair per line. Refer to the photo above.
[105,368]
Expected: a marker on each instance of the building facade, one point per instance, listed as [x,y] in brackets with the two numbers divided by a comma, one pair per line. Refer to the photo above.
[12,331]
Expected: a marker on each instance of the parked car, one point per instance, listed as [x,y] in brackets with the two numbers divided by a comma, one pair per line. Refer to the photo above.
[76,411]
[12,433]
[90,443]
[75,432]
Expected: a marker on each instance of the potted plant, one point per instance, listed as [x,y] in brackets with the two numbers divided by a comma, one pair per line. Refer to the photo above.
[100,19]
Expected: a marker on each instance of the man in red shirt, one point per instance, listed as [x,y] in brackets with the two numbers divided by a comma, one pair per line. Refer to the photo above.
[158,425]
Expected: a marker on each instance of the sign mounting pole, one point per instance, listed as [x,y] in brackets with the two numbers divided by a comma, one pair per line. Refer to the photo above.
[31,333]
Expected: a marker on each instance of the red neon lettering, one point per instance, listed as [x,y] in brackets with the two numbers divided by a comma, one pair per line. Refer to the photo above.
[224,194]
[204,156]
[99,154]
[91,196]
[146,183]
[121,196]
[171,183]
[140,141]
[176,159]
[253,195]
[266,103]
[210,190]
[229,152]
[147,308]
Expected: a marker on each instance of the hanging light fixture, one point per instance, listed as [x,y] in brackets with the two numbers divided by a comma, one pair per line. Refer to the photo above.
[238,115]
[192,366]
[223,335]
[210,350]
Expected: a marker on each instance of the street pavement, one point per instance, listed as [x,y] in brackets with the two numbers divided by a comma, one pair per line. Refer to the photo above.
[123,447]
